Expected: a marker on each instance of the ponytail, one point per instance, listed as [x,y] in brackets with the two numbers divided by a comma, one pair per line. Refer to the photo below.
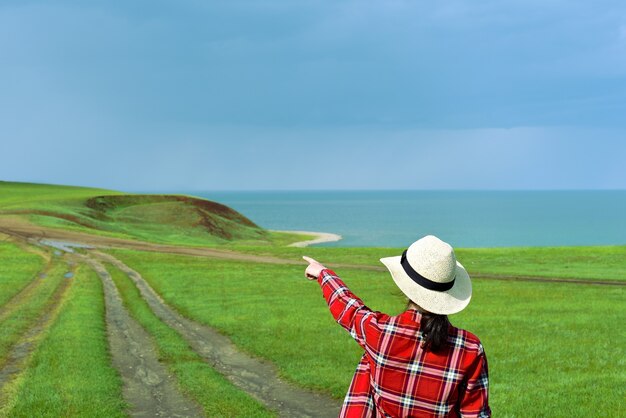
[434,329]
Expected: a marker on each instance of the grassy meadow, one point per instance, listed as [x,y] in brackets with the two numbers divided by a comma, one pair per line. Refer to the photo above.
[597,262]
[216,395]
[18,269]
[552,342]
[554,349]
[16,318]
[69,372]
[165,219]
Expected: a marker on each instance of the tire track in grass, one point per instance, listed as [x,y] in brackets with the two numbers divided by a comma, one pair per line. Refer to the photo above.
[14,362]
[148,388]
[21,265]
[210,389]
[258,378]
[24,316]
[25,230]
[69,374]
[25,293]
[31,246]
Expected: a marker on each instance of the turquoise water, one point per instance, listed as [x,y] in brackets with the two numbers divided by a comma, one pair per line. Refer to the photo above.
[463,218]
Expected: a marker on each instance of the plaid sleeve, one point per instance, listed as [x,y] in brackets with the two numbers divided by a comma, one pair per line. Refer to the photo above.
[349,311]
[474,396]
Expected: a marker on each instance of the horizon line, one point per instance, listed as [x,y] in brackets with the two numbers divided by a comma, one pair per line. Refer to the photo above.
[169,190]
[166,190]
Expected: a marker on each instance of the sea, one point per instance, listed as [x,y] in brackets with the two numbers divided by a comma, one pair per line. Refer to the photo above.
[462,218]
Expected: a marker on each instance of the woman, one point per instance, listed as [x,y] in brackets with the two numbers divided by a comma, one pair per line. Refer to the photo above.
[415,364]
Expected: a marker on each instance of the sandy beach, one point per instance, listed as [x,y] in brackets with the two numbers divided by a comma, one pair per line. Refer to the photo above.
[320,237]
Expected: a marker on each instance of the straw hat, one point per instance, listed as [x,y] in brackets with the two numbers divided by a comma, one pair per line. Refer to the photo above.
[429,275]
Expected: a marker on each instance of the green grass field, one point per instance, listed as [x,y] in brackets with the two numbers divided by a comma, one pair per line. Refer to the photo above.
[70,373]
[18,269]
[606,263]
[554,349]
[166,219]
[216,395]
[551,342]
[16,321]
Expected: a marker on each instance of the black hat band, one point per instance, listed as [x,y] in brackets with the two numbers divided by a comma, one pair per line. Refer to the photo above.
[423,281]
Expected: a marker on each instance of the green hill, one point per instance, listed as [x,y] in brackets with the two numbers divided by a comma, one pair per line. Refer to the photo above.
[173,219]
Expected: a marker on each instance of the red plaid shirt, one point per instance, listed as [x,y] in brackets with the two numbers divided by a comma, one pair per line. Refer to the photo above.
[396,377]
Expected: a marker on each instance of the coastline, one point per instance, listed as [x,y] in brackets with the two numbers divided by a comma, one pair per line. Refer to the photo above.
[320,238]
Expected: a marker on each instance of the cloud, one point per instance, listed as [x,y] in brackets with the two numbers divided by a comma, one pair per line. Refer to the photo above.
[194,92]
[430,65]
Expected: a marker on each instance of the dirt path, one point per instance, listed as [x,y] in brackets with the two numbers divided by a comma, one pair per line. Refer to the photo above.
[20,228]
[522,278]
[148,388]
[17,299]
[12,304]
[24,347]
[258,378]
[30,246]
[24,230]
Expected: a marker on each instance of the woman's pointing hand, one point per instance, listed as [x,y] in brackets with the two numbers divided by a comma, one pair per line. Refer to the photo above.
[314,268]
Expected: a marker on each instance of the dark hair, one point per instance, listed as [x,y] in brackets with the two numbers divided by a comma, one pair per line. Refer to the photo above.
[434,329]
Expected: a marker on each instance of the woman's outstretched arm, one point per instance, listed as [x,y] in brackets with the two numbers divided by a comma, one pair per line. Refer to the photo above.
[349,311]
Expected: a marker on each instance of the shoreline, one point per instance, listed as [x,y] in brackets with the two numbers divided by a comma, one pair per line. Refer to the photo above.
[320,238]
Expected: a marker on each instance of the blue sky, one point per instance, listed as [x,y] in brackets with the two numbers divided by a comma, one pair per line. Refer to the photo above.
[196,95]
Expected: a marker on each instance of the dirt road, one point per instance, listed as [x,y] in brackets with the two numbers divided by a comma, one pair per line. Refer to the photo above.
[148,387]
[258,378]
[22,349]
[19,228]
